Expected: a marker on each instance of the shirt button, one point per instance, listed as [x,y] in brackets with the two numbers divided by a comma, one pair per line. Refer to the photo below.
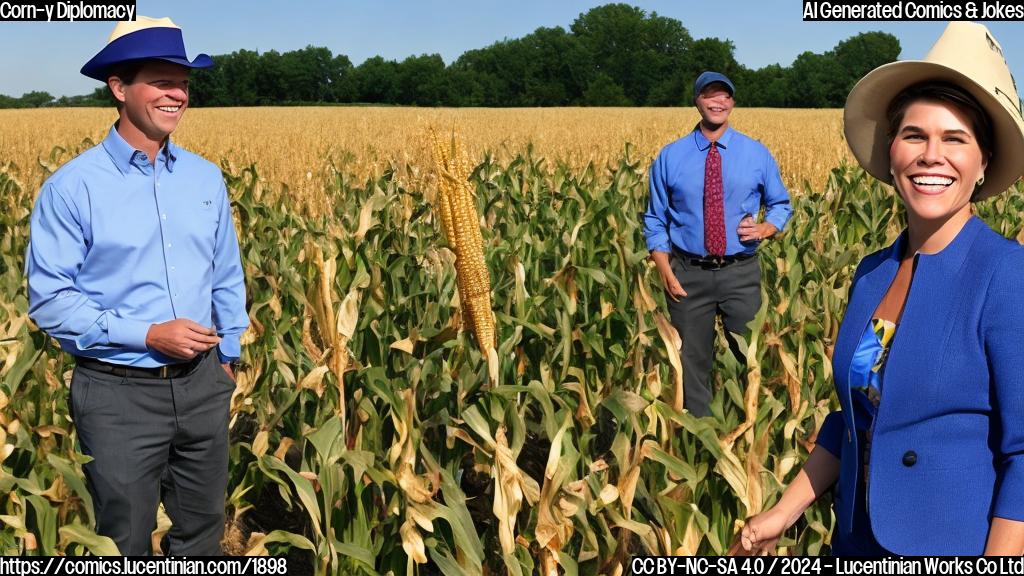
[172,268]
[909,458]
[164,216]
[168,244]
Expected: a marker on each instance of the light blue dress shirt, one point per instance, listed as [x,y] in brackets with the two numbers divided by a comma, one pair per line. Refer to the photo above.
[750,178]
[118,244]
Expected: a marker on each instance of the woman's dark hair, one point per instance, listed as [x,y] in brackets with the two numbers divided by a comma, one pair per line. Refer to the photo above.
[945,92]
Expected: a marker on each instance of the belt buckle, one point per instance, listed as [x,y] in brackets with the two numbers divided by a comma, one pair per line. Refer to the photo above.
[716,262]
[163,371]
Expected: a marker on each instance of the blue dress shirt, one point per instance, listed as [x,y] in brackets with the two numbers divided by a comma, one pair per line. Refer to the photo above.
[118,244]
[750,177]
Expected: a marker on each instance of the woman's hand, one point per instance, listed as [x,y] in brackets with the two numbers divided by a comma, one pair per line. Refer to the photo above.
[760,534]
[668,277]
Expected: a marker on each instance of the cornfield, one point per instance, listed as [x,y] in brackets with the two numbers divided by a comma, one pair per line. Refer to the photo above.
[370,434]
[304,148]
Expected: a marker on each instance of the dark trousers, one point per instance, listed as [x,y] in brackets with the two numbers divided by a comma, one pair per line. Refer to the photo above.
[734,293]
[153,440]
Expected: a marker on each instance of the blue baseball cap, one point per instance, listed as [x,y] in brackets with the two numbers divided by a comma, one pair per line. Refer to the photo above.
[709,77]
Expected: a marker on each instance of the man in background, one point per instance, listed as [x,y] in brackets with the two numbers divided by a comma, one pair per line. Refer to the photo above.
[705,192]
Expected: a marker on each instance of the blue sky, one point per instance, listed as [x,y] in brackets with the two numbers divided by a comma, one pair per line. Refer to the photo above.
[47,56]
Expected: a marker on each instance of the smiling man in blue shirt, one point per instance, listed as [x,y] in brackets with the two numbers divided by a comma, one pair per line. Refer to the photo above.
[706,190]
[133,266]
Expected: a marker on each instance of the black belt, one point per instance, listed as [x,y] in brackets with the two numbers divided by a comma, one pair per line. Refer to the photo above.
[169,371]
[713,262]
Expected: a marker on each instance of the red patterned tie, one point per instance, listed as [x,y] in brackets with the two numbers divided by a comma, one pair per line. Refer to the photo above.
[714,213]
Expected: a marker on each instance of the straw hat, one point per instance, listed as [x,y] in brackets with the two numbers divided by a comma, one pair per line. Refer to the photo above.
[967,56]
[143,39]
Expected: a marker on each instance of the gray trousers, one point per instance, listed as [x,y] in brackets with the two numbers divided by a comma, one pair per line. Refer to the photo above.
[734,292]
[153,440]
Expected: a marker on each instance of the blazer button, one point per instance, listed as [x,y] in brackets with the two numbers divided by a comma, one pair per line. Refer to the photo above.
[909,458]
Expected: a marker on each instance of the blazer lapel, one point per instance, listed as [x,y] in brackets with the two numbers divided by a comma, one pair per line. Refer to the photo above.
[865,295]
[934,296]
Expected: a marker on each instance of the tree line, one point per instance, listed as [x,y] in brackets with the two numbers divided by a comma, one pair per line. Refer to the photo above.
[612,55]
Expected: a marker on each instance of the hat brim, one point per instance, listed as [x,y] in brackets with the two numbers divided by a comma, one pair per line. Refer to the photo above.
[866,126]
[99,68]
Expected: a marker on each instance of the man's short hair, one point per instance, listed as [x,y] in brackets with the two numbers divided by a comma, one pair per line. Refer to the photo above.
[126,72]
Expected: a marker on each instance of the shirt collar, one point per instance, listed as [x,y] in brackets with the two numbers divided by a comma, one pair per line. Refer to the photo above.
[170,151]
[703,143]
[124,155]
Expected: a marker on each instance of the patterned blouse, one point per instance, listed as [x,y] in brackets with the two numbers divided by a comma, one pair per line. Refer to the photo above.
[866,376]
[868,367]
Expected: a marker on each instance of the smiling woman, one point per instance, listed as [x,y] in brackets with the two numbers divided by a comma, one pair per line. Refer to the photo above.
[939,153]
[927,358]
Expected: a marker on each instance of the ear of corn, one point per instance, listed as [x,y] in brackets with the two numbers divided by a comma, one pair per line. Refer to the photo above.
[456,202]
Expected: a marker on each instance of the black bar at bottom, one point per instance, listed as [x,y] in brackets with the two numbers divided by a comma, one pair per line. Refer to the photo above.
[144,565]
[807,565]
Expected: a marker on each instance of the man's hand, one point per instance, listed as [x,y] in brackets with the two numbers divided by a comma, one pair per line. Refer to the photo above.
[668,277]
[227,368]
[749,230]
[182,338]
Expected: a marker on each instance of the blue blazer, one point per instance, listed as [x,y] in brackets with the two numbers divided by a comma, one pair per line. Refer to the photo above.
[947,450]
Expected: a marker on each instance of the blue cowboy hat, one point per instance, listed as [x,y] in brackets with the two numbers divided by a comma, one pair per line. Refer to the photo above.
[143,39]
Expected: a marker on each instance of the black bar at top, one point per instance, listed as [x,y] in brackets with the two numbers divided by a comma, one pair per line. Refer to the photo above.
[66,10]
[911,10]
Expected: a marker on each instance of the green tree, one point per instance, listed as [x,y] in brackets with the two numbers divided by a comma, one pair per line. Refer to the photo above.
[240,80]
[635,50]
[817,81]
[612,55]
[490,76]
[604,91]
[272,82]
[420,81]
[307,74]
[767,87]
[376,81]
[35,99]
[342,83]
[864,52]
[557,68]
